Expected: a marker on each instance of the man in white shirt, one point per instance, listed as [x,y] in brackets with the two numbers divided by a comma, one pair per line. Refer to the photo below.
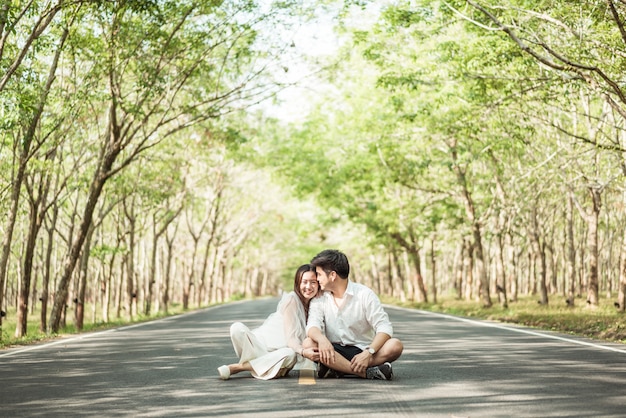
[352,330]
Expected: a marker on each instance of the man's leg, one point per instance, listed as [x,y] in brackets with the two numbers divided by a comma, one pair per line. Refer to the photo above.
[342,364]
[389,352]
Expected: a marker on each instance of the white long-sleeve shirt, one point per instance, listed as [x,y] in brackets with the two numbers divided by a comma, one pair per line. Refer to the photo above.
[360,317]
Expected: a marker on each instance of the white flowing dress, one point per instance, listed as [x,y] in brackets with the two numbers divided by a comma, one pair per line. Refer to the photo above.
[271,348]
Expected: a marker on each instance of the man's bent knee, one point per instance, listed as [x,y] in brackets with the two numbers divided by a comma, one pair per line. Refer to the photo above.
[393,349]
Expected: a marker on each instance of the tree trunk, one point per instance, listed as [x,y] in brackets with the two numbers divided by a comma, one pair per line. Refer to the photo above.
[152,272]
[591,218]
[108,156]
[119,292]
[592,244]
[210,254]
[433,265]
[414,254]
[468,267]
[45,286]
[264,279]
[512,267]
[458,270]
[252,276]
[170,216]
[470,210]
[131,295]
[204,277]
[501,227]
[413,251]
[400,280]
[190,276]
[389,275]
[168,270]
[532,283]
[483,279]
[79,309]
[106,288]
[215,274]
[500,273]
[538,257]
[554,285]
[404,265]
[212,281]
[29,252]
[24,158]
[376,276]
[37,205]
[621,298]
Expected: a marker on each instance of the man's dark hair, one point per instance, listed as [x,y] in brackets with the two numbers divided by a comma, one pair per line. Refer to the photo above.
[332,260]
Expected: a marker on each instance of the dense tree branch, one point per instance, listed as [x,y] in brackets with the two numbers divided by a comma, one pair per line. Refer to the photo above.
[582,70]
[618,21]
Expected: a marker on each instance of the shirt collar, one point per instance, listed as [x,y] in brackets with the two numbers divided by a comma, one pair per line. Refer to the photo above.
[350,289]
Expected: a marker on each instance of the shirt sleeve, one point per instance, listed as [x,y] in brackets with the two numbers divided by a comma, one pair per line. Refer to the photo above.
[316,314]
[376,315]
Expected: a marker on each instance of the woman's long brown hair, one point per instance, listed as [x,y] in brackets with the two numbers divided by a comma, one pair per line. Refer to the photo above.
[296,286]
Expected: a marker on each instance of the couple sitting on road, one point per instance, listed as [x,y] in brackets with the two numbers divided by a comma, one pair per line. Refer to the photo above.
[343,328]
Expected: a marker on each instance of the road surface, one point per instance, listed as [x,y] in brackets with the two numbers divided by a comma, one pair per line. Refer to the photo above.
[451,367]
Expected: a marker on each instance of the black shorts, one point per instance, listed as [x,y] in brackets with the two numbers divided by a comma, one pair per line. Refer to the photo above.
[348,351]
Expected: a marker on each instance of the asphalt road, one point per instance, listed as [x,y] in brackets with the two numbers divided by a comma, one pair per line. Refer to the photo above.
[451,367]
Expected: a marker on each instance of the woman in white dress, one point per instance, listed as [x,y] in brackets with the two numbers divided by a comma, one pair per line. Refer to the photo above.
[275,348]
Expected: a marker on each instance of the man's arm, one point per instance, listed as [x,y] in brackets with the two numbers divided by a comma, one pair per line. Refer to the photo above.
[379,321]
[376,315]
[325,347]
[314,327]
[363,360]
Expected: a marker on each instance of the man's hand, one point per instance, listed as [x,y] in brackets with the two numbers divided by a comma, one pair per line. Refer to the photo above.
[326,351]
[361,362]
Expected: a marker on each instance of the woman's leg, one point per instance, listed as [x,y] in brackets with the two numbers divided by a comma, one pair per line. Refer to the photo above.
[273,364]
[227,370]
[247,346]
[240,367]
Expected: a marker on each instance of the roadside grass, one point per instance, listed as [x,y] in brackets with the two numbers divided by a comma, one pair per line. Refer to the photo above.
[602,323]
[92,323]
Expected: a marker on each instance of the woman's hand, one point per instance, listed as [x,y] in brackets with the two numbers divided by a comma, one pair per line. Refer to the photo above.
[311,354]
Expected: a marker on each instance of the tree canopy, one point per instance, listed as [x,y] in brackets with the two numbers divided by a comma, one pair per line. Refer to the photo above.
[470,149]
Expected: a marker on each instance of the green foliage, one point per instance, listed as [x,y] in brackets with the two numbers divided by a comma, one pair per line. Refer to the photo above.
[105,250]
[434,102]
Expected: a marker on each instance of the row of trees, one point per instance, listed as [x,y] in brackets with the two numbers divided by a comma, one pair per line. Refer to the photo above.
[466,148]
[480,139]
[116,185]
